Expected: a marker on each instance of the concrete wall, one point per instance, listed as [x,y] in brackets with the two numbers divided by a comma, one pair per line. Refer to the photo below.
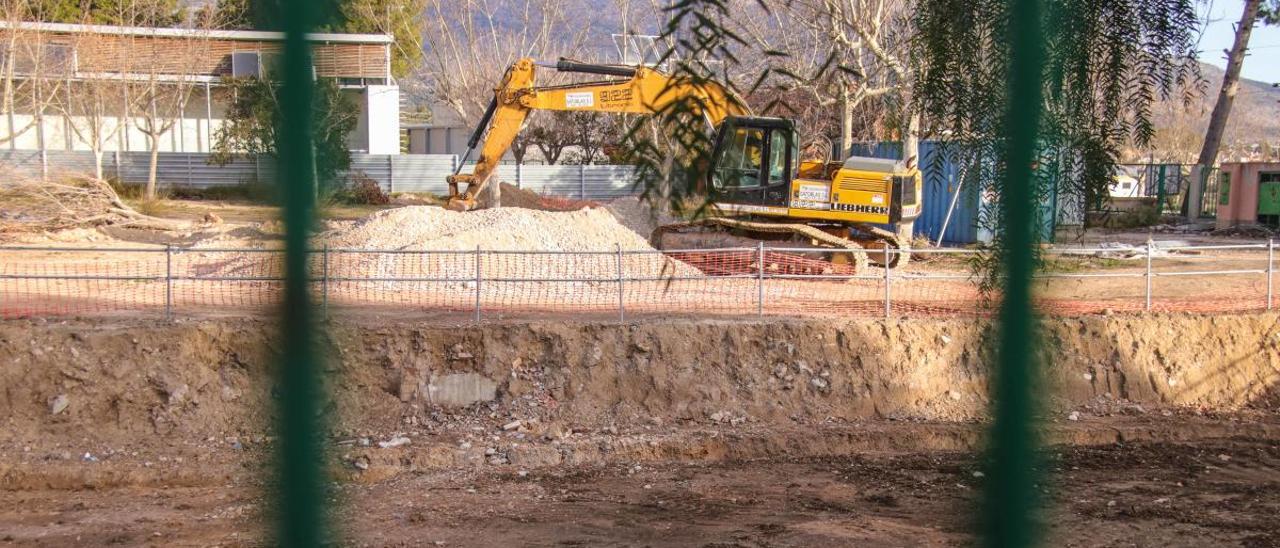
[192,132]
[1242,205]
[381,118]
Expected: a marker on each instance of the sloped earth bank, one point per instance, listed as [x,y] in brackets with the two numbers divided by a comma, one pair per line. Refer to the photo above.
[695,434]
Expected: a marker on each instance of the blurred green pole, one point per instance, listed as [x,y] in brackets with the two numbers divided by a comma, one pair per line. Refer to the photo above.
[301,502]
[1010,498]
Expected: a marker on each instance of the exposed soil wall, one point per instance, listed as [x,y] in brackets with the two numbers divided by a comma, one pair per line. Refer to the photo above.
[119,380]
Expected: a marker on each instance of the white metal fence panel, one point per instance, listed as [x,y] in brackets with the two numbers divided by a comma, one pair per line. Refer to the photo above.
[396,173]
[421,172]
[587,182]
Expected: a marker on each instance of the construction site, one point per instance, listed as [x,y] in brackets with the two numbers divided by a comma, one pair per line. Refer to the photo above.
[589,374]
[804,349]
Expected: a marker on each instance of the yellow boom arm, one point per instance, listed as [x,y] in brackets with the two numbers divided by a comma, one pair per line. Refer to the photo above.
[644,91]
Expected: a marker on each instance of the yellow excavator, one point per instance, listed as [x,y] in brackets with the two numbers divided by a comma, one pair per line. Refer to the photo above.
[757,185]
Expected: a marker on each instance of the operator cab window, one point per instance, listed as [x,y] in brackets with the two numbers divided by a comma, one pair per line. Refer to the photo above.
[777,157]
[740,162]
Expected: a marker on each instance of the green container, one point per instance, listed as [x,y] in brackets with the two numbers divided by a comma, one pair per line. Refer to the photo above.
[1269,198]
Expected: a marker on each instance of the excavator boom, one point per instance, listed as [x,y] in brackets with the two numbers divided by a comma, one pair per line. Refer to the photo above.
[635,90]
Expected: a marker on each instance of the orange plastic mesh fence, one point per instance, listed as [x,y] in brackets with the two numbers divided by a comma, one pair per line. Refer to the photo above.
[470,284]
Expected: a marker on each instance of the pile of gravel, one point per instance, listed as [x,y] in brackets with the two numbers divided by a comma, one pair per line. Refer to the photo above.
[638,215]
[428,228]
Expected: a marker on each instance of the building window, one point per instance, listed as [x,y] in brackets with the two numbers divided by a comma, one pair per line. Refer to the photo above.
[246,64]
[46,59]
[360,82]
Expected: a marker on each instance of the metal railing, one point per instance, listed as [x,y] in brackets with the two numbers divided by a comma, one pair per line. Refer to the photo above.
[759,281]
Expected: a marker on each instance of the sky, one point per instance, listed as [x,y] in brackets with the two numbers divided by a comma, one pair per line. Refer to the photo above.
[1263,61]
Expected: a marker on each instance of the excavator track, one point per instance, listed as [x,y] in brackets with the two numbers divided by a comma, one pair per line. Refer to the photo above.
[856,252]
[878,234]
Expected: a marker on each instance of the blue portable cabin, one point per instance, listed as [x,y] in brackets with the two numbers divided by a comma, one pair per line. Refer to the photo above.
[942,186]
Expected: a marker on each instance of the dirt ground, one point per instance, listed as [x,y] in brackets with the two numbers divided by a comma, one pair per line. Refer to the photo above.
[1194,487]
[648,434]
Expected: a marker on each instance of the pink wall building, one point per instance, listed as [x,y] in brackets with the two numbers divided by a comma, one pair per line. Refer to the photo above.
[1249,193]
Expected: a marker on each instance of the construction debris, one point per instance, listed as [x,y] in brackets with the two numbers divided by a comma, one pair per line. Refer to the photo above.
[1245,231]
[1121,250]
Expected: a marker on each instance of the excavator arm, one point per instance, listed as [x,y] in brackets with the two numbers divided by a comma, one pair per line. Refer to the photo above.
[637,90]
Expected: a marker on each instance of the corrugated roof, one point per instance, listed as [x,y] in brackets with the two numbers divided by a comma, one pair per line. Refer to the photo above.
[184,32]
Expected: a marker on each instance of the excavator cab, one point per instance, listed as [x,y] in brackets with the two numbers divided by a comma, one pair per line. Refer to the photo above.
[753,161]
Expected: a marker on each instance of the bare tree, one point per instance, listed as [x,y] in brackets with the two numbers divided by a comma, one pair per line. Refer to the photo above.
[550,136]
[35,71]
[868,41]
[470,43]
[164,89]
[12,42]
[93,101]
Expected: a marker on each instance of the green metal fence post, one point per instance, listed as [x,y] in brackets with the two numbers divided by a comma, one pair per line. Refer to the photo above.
[300,507]
[1160,206]
[1009,495]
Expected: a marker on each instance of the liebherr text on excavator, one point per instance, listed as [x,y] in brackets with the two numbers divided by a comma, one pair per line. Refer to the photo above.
[757,184]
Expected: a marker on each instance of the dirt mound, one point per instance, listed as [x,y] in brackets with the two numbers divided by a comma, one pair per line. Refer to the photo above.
[638,215]
[502,229]
[513,196]
[508,229]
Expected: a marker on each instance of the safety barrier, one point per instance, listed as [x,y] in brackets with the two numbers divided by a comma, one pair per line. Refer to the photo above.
[479,284]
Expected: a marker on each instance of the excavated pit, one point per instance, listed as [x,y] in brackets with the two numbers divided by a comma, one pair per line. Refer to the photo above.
[103,404]
[121,380]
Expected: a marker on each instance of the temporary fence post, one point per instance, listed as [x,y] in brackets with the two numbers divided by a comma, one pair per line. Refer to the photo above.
[1150,245]
[324,281]
[1271,270]
[760,279]
[887,295]
[477,257]
[168,282]
[622,310]
[391,176]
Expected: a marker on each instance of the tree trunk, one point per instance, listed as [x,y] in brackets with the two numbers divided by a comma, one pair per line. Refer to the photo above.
[1230,85]
[911,153]
[97,160]
[153,139]
[911,139]
[846,125]
[150,193]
